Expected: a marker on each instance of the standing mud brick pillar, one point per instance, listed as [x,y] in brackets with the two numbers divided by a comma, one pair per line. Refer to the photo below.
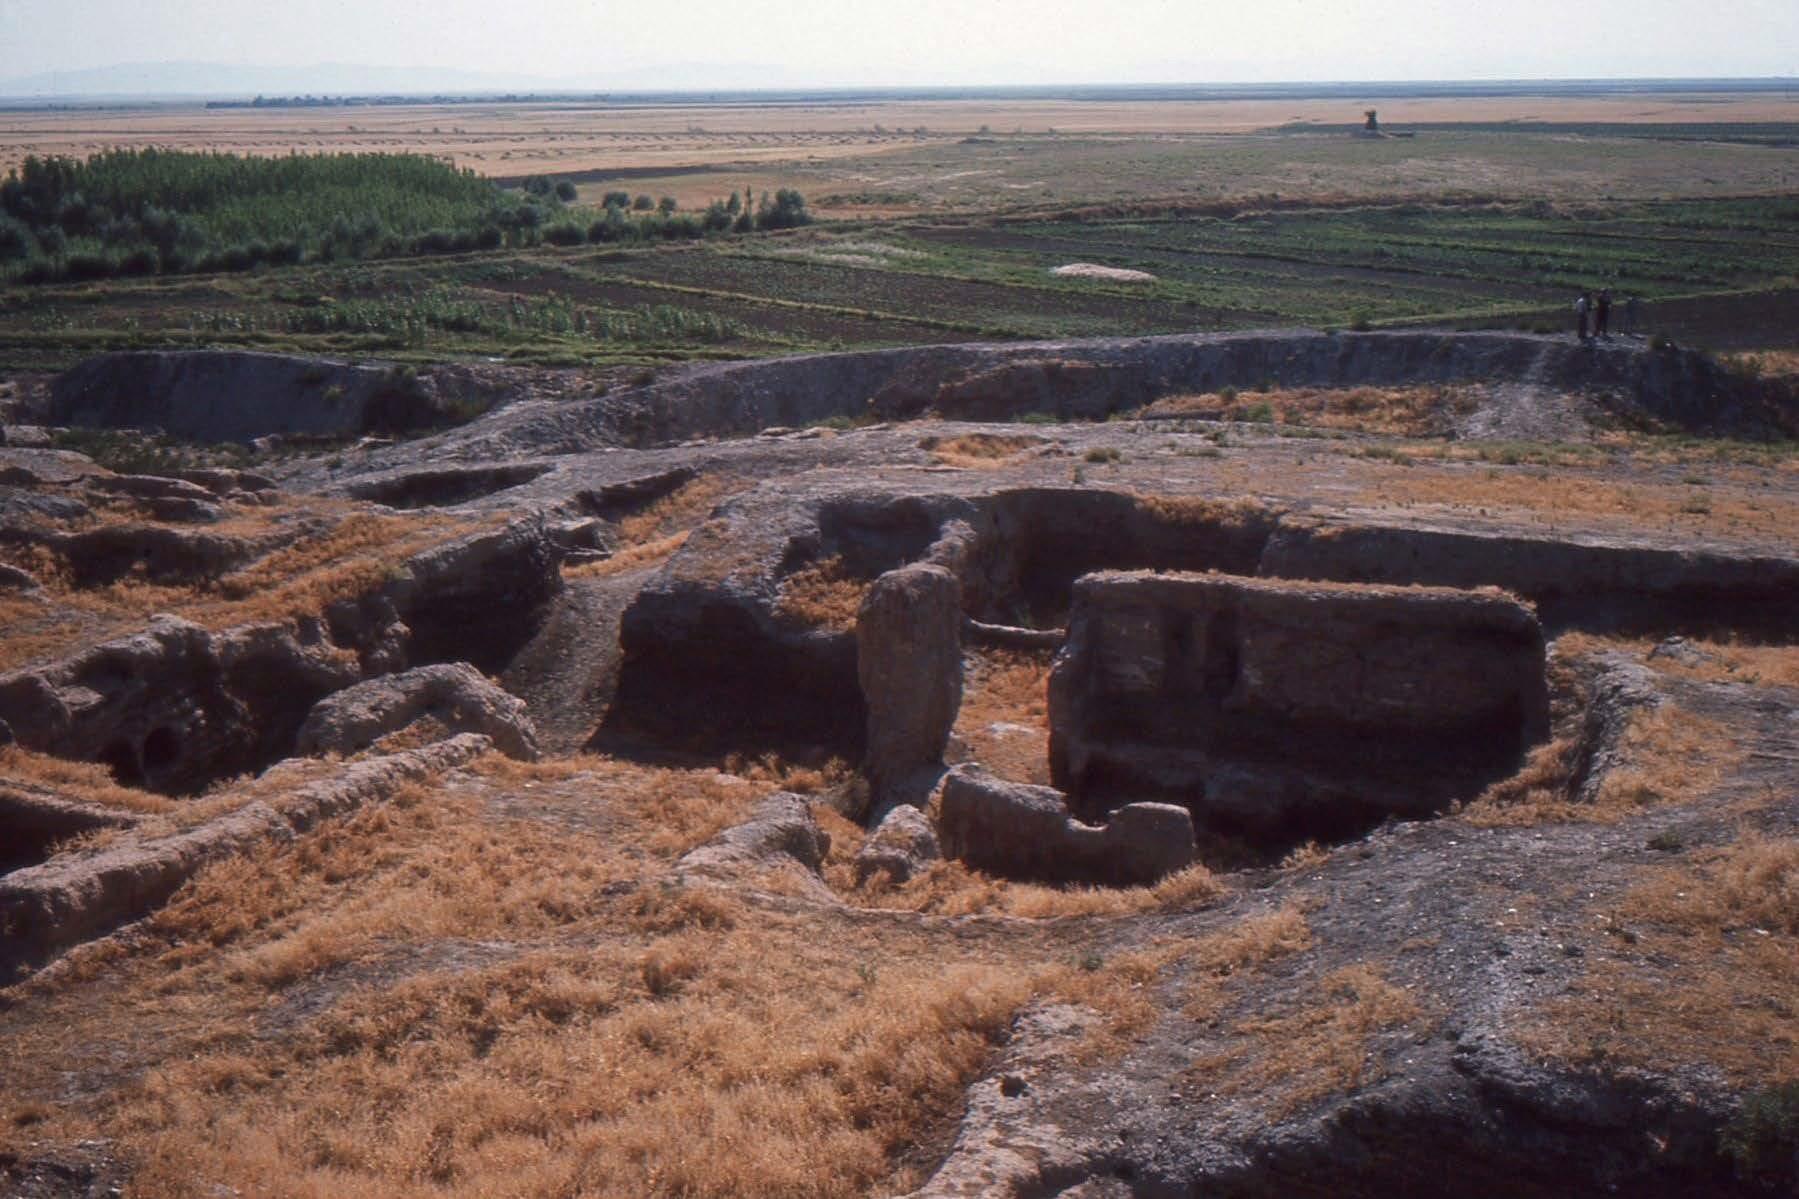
[1279,711]
[909,662]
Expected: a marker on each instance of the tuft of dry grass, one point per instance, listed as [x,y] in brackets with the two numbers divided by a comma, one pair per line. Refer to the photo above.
[1668,755]
[1727,662]
[340,554]
[1415,411]
[1702,968]
[1306,856]
[825,594]
[952,888]
[86,782]
[1324,1043]
[777,774]
[630,558]
[679,510]
[1218,959]
[978,451]
[1199,510]
[1004,718]
[1567,497]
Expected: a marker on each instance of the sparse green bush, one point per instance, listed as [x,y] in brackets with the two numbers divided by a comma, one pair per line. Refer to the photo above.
[1763,1140]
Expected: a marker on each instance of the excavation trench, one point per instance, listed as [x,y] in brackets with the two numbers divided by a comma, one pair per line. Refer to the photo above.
[176,708]
[1211,708]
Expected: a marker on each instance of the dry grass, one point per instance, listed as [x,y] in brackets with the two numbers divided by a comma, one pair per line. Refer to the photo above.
[1724,662]
[1417,411]
[1004,719]
[85,782]
[342,553]
[460,993]
[679,510]
[1324,1042]
[667,811]
[1702,970]
[1767,362]
[951,888]
[1199,510]
[824,594]
[1668,755]
[768,140]
[629,559]
[1217,960]
[977,451]
[1559,498]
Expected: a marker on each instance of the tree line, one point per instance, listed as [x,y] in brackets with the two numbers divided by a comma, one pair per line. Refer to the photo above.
[152,211]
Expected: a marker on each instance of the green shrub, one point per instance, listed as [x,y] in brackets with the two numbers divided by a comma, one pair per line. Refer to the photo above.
[1763,1140]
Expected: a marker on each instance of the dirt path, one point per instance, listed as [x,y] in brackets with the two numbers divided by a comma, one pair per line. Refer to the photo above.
[568,671]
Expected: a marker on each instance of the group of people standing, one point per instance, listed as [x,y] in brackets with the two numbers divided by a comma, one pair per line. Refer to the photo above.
[1593,315]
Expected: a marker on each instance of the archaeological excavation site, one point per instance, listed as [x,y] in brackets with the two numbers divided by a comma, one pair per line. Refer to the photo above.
[1245,764]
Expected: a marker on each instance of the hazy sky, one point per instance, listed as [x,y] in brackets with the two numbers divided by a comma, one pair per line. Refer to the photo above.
[928,41]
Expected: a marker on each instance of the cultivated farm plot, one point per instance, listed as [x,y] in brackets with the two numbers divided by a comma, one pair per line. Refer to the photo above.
[1714,273]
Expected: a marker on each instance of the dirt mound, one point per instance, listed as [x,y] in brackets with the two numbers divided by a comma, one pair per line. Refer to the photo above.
[1101,378]
[1111,274]
[222,396]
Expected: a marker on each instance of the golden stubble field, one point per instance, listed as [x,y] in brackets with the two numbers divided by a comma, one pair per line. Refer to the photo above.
[507,140]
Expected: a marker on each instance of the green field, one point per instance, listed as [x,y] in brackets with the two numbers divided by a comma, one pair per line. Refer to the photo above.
[1461,227]
[934,280]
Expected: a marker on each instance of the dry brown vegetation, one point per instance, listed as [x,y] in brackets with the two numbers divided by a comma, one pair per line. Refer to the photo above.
[630,558]
[1414,411]
[1670,755]
[491,985]
[337,553]
[1700,967]
[679,510]
[1004,718]
[1563,498]
[952,888]
[520,139]
[1203,510]
[1727,662]
[824,594]
[85,782]
[975,451]
[1322,1043]
[1220,959]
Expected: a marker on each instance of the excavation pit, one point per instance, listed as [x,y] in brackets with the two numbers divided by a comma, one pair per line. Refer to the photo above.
[1279,712]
